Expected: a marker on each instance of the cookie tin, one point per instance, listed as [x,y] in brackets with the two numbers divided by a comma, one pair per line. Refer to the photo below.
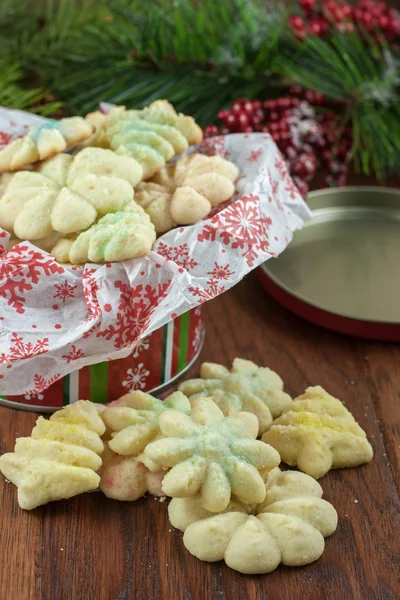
[154,365]
[342,270]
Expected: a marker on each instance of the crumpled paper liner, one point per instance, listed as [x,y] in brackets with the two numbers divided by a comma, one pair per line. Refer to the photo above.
[55,319]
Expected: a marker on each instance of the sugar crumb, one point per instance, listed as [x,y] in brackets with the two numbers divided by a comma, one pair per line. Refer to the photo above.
[355,501]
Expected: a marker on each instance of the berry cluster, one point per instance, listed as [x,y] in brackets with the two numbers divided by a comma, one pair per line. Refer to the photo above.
[374,17]
[305,128]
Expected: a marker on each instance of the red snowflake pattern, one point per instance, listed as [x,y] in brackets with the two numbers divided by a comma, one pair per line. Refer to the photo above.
[21,350]
[220,272]
[178,254]
[3,241]
[41,384]
[75,354]
[21,269]
[207,293]
[5,138]
[90,289]
[134,311]
[65,291]
[255,155]
[242,226]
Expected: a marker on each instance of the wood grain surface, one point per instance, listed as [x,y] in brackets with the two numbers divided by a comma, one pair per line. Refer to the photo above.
[94,548]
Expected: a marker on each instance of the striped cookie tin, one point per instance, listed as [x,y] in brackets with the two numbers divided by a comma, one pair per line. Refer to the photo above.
[153,366]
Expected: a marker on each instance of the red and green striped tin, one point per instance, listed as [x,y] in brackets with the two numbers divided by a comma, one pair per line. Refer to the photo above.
[153,365]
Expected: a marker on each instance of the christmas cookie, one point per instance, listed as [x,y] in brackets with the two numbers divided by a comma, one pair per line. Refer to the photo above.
[60,458]
[115,237]
[246,387]
[66,194]
[126,478]
[289,526]
[133,421]
[43,141]
[317,433]
[213,455]
[152,136]
[186,192]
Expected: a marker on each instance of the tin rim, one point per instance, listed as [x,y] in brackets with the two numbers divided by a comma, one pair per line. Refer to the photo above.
[366,327]
[157,390]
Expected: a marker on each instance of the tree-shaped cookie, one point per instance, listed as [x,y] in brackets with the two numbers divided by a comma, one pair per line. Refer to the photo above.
[288,527]
[115,237]
[133,422]
[152,136]
[126,478]
[43,141]
[184,193]
[317,433]
[246,387]
[213,455]
[60,459]
[67,194]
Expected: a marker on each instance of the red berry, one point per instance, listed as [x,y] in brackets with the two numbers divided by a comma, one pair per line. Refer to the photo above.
[383,22]
[236,107]
[222,115]
[265,129]
[248,130]
[232,122]
[315,27]
[210,130]
[259,113]
[270,104]
[273,116]
[284,102]
[358,14]
[255,120]
[296,22]
[243,119]
[225,131]
[378,8]
[296,90]
[257,105]
[347,10]
[273,127]
[307,4]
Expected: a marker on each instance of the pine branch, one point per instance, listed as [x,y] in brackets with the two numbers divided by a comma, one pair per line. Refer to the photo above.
[13,95]
[199,55]
[365,77]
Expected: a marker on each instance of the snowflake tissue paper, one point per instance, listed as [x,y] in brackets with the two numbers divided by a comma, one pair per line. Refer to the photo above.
[56,319]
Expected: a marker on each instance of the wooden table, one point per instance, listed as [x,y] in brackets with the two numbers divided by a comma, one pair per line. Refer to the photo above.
[92,548]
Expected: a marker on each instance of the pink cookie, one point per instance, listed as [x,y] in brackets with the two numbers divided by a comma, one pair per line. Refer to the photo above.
[125,478]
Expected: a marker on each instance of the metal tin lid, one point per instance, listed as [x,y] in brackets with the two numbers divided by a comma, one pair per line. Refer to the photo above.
[343,268]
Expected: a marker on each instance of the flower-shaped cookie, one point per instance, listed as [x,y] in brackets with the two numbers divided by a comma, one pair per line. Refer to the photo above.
[133,422]
[151,136]
[43,141]
[246,387]
[60,458]
[215,455]
[186,192]
[126,478]
[115,237]
[317,433]
[67,194]
[288,527]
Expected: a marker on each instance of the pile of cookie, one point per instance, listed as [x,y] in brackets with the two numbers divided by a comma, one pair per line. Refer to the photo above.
[200,448]
[100,188]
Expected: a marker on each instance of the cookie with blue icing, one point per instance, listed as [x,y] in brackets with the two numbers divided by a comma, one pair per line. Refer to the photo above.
[152,135]
[43,141]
